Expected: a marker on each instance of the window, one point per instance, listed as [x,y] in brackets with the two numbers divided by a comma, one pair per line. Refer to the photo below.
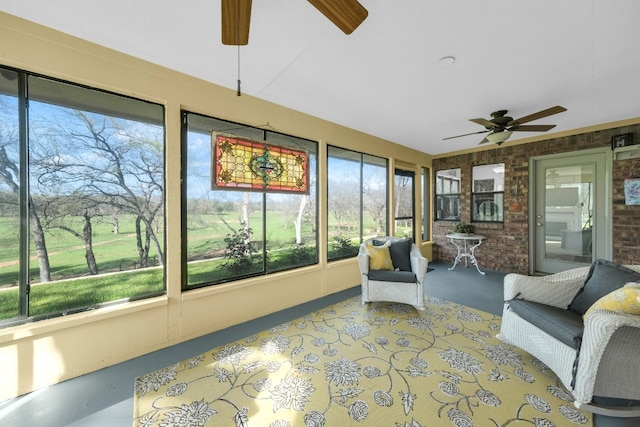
[425,204]
[231,234]
[81,198]
[487,199]
[357,200]
[404,203]
[448,195]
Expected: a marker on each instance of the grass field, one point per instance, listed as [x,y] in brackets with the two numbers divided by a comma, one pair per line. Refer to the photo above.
[71,286]
[113,252]
[69,295]
[119,275]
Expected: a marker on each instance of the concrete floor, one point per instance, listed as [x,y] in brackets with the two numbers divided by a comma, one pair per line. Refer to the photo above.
[105,398]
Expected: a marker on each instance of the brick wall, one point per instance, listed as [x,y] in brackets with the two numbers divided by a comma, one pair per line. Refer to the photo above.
[507,245]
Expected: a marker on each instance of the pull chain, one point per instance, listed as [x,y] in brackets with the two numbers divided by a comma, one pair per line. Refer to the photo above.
[238,92]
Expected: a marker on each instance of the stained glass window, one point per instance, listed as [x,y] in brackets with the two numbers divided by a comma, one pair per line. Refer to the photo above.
[246,165]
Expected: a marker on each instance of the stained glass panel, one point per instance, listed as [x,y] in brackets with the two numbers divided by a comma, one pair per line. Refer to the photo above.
[247,165]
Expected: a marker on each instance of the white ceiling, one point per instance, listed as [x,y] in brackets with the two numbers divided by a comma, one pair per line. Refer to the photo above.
[385,78]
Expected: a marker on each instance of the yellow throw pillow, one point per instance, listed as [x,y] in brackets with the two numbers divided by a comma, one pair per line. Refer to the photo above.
[625,300]
[379,257]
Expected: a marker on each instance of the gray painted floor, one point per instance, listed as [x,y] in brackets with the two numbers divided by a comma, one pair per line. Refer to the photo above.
[105,398]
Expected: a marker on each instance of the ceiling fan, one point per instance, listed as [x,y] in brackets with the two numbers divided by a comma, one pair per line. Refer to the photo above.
[500,127]
[236,17]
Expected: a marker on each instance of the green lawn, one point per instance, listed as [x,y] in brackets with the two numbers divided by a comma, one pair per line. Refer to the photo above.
[71,288]
[67,295]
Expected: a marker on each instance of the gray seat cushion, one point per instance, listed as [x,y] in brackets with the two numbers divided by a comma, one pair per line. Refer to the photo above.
[564,325]
[392,276]
[604,277]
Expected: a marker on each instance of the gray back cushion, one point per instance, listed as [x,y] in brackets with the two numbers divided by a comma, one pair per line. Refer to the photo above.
[400,254]
[604,277]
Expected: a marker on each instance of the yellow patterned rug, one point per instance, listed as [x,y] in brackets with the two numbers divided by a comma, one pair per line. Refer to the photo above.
[379,365]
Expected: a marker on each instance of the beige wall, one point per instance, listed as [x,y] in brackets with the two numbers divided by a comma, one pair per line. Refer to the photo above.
[46,352]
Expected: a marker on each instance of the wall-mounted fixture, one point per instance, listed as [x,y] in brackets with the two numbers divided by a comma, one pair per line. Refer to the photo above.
[626,152]
[622,140]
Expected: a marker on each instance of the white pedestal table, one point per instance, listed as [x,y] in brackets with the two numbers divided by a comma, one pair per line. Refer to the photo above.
[466,245]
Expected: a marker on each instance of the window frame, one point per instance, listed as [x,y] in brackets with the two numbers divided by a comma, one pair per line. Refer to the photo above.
[399,172]
[452,198]
[345,247]
[38,92]
[487,196]
[425,212]
[267,265]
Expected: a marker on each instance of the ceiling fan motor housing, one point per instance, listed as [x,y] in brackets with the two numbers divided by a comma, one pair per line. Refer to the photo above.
[500,119]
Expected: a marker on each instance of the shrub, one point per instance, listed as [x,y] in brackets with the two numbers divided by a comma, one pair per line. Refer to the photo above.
[342,247]
[301,255]
[239,252]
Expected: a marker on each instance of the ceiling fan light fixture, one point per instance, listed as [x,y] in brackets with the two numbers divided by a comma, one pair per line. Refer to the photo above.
[447,61]
[499,137]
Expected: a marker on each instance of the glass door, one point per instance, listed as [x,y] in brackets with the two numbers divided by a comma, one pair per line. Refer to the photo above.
[569,211]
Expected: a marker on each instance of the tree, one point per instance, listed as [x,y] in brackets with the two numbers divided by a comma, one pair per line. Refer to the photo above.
[374,200]
[109,159]
[9,175]
[60,212]
[113,213]
[292,208]
[404,197]
[299,218]
[344,203]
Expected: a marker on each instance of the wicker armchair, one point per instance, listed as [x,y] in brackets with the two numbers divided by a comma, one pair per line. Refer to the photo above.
[404,285]
[603,362]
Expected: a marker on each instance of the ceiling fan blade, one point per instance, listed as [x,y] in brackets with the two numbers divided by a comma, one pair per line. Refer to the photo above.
[236,17]
[345,14]
[484,122]
[535,116]
[483,141]
[466,134]
[531,128]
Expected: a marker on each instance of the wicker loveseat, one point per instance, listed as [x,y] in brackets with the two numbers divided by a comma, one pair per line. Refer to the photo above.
[584,324]
[392,269]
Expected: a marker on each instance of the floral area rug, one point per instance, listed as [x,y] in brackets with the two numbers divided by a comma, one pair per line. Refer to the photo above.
[383,364]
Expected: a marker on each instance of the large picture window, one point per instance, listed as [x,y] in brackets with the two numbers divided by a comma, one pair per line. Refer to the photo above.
[81,198]
[448,194]
[488,193]
[357,192]
[233,233]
